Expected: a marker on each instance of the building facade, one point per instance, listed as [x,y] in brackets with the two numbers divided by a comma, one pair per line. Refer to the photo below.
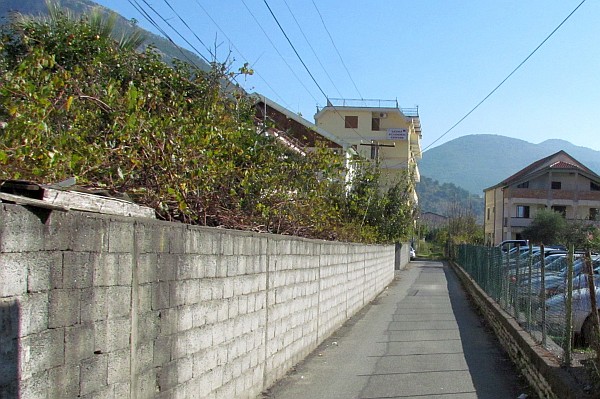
[558,182]
[380,131]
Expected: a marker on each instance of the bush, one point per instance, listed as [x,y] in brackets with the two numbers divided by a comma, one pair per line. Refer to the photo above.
[75,102]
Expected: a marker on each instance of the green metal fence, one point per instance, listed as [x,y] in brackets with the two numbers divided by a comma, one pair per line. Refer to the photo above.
[534,290]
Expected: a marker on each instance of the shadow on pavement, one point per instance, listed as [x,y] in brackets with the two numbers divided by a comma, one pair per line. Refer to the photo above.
[493,373]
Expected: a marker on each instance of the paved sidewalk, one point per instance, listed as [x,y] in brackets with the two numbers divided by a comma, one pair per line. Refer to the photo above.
[419,339]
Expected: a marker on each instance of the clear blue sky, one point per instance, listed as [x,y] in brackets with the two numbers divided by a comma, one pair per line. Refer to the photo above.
[444,56]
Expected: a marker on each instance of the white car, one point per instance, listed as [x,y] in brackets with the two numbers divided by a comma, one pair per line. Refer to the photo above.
[413,254]
[582,313]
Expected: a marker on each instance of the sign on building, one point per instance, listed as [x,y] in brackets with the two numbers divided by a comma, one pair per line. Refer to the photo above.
[397,134]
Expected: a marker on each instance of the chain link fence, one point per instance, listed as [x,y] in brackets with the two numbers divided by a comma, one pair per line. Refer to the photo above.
[534,289]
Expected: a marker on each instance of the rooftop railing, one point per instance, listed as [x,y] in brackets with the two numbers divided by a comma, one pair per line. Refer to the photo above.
[371,103]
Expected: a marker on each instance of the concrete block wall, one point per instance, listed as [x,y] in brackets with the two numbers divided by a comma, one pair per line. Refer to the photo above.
[95,306]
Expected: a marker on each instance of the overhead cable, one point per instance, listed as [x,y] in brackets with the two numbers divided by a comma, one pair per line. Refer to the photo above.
[279,53]
[242,55]
[336,49]
[312,49]
[507,77]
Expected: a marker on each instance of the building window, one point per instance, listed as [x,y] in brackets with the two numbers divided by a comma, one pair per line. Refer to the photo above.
[375,124]
[351,122]
[523,211]
[555,185]
[594,186]
[488,213]
[594,214]
[525,184]
[560,209]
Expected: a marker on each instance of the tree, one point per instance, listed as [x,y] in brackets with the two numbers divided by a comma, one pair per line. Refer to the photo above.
[547,227]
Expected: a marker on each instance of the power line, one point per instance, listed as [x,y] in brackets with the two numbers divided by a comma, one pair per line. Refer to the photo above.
[312,48]
[294,48]
[146,15]
[506,78]
[240,53]
[336,49]
[279,53]
[191,30]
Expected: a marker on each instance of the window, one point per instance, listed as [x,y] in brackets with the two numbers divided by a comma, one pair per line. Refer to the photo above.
[560,209]
[523,211]
[594,214]
[555,185]
[351,122]
[594,186]
[375,124]
[523,185]
[488,213]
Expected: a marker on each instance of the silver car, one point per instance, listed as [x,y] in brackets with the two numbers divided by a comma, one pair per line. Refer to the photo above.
[582,313]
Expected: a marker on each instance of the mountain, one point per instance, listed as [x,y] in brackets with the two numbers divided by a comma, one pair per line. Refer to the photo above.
[439,198]
[168,50]
[476,162]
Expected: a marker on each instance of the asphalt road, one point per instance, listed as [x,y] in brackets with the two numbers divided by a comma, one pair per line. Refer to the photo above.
[418,339]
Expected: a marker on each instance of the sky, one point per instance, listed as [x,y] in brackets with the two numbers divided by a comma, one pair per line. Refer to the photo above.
[442,56]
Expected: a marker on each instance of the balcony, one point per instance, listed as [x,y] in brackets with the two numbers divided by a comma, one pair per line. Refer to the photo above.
[543,194]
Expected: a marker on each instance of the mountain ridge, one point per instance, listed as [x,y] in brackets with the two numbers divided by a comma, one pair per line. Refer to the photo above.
[478,161]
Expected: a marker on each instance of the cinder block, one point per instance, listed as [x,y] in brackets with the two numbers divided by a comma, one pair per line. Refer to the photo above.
[41,352]
[118,301]
[35,387]
[147,266]
[167,376]
[63,308]
[185,368]
[120,236]
[112,335]
[13,274]
[94,374]
[20,230]
[167,267]
[122,390]
[147,386]
[89,233]
[94,304]
[144,356]
[152,237]
[64,381]
[176,234]
[148,326]
[41,266]
[160,295]
[78,269]
[163,347]
[34,313]
[125,272]
[79,343]
[119,366]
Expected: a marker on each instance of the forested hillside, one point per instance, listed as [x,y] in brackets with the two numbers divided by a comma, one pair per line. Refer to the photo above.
[437,198]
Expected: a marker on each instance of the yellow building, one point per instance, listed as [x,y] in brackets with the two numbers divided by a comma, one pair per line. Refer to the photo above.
[380,131]
[558,182]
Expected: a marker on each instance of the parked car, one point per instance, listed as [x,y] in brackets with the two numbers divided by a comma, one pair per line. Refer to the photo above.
[581,311]
[413,253]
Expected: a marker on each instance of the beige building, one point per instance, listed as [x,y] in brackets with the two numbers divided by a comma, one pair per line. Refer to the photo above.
[379,130]
[558,182]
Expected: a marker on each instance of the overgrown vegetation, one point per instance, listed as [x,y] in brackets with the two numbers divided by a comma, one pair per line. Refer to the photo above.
[75,102]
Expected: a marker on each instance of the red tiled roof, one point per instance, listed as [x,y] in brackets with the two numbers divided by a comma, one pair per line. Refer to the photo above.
[545,163]
[564,165]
